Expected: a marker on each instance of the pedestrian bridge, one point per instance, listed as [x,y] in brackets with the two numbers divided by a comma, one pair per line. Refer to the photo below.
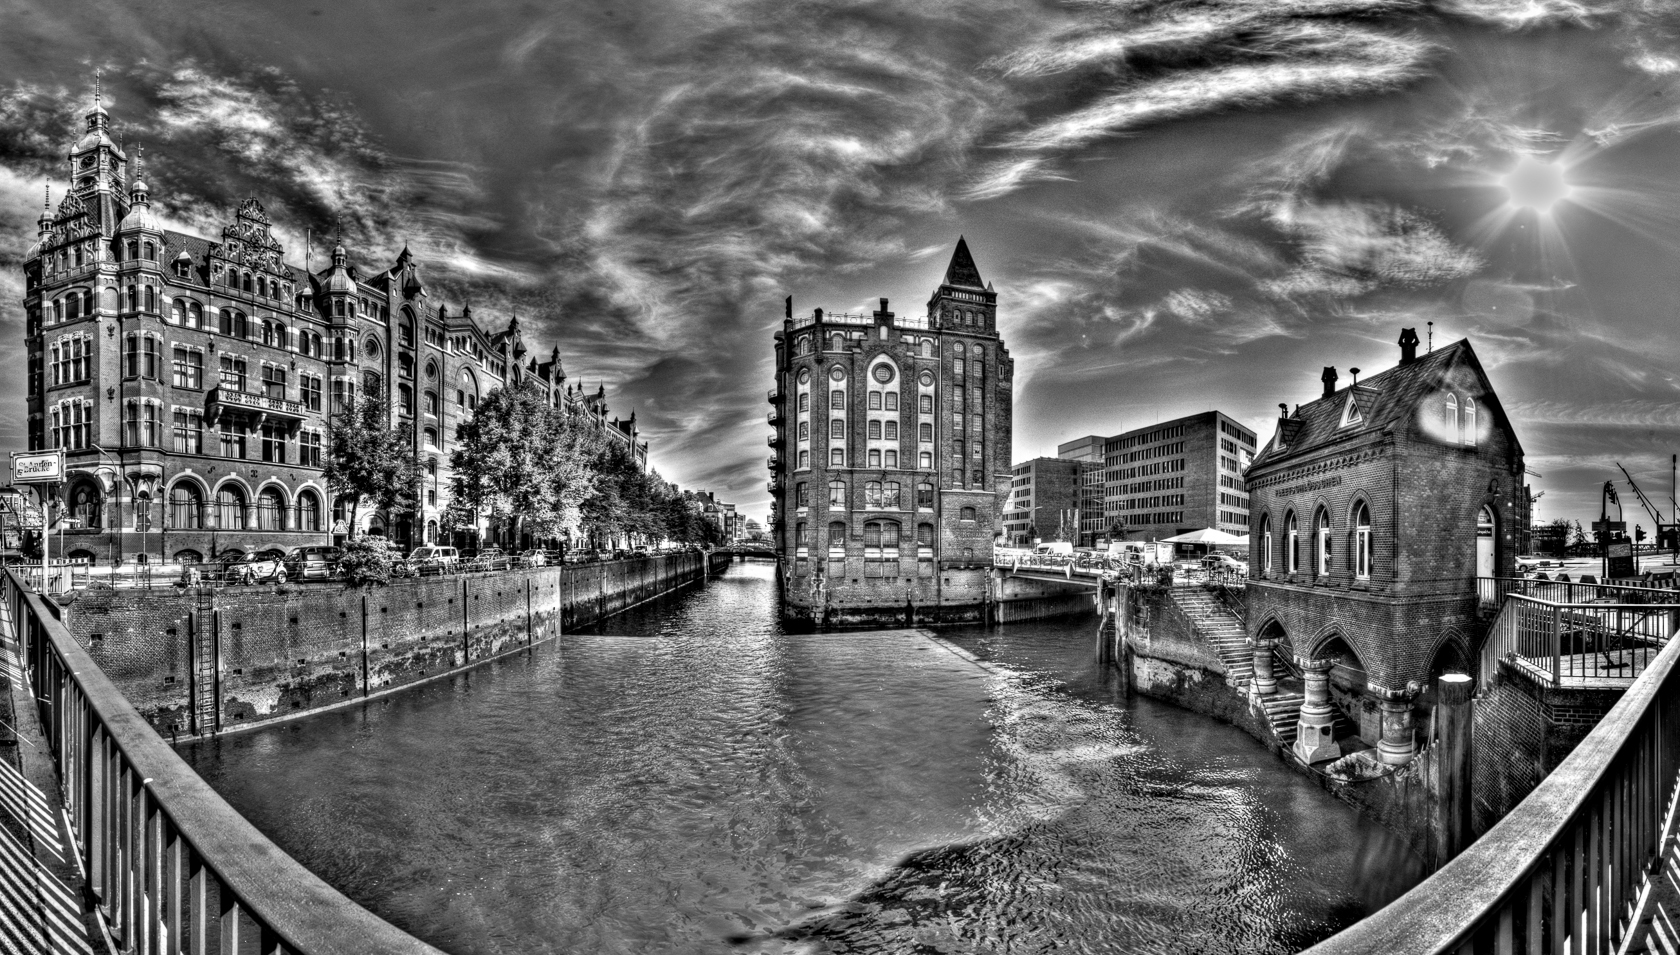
[1086,569]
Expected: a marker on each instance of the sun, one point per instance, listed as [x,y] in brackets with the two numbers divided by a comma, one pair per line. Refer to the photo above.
[1535,184]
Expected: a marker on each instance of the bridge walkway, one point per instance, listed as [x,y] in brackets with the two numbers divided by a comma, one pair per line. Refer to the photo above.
[42,890]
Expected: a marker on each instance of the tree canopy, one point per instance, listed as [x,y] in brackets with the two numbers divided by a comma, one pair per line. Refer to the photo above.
[368,459]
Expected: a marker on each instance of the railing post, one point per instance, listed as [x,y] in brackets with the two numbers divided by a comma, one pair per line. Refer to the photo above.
[1557,645]
[1453,690]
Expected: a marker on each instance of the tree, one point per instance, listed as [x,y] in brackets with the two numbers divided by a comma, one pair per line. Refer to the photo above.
[522,463]
[1117,529]
[367,459]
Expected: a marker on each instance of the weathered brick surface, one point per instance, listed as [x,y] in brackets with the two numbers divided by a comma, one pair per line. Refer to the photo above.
[291,649]
[1522,731]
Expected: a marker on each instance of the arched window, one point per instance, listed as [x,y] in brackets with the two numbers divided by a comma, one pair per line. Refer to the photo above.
[875,428]
[837,540]
[1362,542]
[889,495]
[271,510]
[1322,535]
[872,494]
[802,495]
[926,406]
[804,401]
[926,461]
[1291,544]
[1470,421]
[1265,544]
[836,458]
[248,283]
[804,431]
[837,429]
[889,540]
[230,508]
[84,506]
[837,399]
[178,312]
[874,401]
[927,348]
[874,457]
[186,506]
[924,496]
[1449,418]
[308,511]
[837,493]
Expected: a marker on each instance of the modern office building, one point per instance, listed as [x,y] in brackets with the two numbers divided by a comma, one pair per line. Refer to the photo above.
[892,441]
[1043,502]
[1178,476]
[190,381]
[1088,451]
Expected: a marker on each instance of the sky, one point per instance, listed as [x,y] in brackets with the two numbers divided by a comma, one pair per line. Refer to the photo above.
[1182,205]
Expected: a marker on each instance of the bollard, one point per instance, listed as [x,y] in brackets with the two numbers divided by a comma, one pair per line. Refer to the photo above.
[1453,804]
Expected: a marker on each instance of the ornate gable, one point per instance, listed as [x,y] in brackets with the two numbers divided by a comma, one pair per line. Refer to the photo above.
[248,243]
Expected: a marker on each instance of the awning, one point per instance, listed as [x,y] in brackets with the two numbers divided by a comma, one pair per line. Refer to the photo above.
[1208,535]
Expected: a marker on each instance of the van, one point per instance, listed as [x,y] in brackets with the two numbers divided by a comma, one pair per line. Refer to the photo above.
[1140,552]
[314,562]
[1058,548]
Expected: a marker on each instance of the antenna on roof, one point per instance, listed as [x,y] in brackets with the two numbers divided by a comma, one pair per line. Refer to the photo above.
[1431,336]
[98,96]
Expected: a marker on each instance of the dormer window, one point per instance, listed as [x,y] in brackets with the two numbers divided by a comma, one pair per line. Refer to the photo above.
[1350,413]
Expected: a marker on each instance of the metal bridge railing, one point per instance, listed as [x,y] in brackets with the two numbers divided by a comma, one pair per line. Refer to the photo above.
[1558,643]
[1492,591]
[1564,870]
[173,867]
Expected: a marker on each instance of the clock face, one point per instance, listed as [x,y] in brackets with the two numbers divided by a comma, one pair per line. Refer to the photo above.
[87,162]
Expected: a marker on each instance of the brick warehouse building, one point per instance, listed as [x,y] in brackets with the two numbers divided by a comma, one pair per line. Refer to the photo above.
[190,381]
[1178,476]
[1375,509]
[893,455]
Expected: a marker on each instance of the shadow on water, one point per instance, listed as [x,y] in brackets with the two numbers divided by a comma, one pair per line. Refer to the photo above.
[688,778]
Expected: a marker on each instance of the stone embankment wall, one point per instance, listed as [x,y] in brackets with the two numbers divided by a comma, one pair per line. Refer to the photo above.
[194,663]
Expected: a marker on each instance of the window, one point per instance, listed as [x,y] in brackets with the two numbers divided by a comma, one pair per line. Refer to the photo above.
[1470,421]
[274,381]
[230,508]
[233,323]
[309,391]
[344,394]
[926,406]
[186,506]
[837,399]
[872,494]
[1291,544]
[142,356]
[892,431]
[804,430]
[874,457]
[892,401]
[187,368]
[432,404]
[889,496]
[804,459]
[309,448]
[837,494]
[874,430]
[232,440]
[405,366]
[85,507]
[233,373]
[958,369]
[273,446]
[430,437]
[925,461]
[837,540]
[801,495]
[405,333]
[968,514]
[1265,544]
[892,459]
[405,399]
[836,458]
[1323,541]
[837,429]
[924,496]
[1362,542]
[308,511]
[1449,418]
[804,401]
[188,429]
[141,424]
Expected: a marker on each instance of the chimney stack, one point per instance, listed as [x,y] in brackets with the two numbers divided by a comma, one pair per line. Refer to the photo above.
[1329,379]
[1408,345]
[1283,409]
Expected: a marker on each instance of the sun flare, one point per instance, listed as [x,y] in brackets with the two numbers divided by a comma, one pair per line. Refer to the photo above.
[1535,184]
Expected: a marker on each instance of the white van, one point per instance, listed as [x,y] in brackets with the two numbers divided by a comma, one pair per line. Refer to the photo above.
[434,556]
[1058,548]
[1140,552]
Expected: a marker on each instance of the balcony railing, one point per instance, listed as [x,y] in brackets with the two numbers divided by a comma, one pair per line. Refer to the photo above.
[773,396]
[859,318]
[235,398]
[775,439]
[1491,591]
[773,416]
[1587,644]
[171,866]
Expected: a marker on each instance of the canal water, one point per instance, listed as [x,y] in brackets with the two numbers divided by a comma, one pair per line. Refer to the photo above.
[687,778]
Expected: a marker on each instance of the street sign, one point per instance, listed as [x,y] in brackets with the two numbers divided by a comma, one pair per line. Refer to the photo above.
[37,467]
[1613,527]
[1619,554]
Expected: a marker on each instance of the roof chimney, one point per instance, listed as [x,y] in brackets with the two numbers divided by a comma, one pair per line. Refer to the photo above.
[1283,409]
[1408,345]
[1329,379]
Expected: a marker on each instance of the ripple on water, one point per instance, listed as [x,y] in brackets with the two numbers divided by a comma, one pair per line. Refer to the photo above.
[690,779]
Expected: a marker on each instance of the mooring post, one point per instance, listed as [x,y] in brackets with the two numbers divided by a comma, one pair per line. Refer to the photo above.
[366,686]
[1453,721]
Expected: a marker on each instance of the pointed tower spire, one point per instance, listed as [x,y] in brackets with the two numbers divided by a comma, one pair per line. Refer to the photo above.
[962,270]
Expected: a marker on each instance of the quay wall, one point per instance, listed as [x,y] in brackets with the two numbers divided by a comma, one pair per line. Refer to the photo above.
[201,663]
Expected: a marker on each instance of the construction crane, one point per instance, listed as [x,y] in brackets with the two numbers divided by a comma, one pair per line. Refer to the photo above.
[1662,527]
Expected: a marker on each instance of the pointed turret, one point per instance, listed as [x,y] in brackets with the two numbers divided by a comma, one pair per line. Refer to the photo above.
[97,167]
[964,301]
[140,217]
[44,225]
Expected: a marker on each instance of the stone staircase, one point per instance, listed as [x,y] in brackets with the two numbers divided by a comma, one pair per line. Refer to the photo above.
[1224,631]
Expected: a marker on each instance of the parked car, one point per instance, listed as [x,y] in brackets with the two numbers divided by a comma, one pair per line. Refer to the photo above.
[1528,565]
[434,557]
[252,569]
[1226,563]
[314,562]
[533,558]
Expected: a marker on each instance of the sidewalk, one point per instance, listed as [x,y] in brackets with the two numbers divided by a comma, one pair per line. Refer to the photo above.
[41,885]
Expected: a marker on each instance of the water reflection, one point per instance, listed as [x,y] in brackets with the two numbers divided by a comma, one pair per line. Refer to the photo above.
[690,779]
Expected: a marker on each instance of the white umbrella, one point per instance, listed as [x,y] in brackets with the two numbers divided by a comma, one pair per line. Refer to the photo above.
[1208,535]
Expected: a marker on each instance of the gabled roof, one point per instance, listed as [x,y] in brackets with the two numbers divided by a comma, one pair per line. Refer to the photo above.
[1386,401]
[962,270]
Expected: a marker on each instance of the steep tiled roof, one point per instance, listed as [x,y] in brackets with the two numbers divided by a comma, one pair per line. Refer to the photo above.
[1385,401]
[962,270]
